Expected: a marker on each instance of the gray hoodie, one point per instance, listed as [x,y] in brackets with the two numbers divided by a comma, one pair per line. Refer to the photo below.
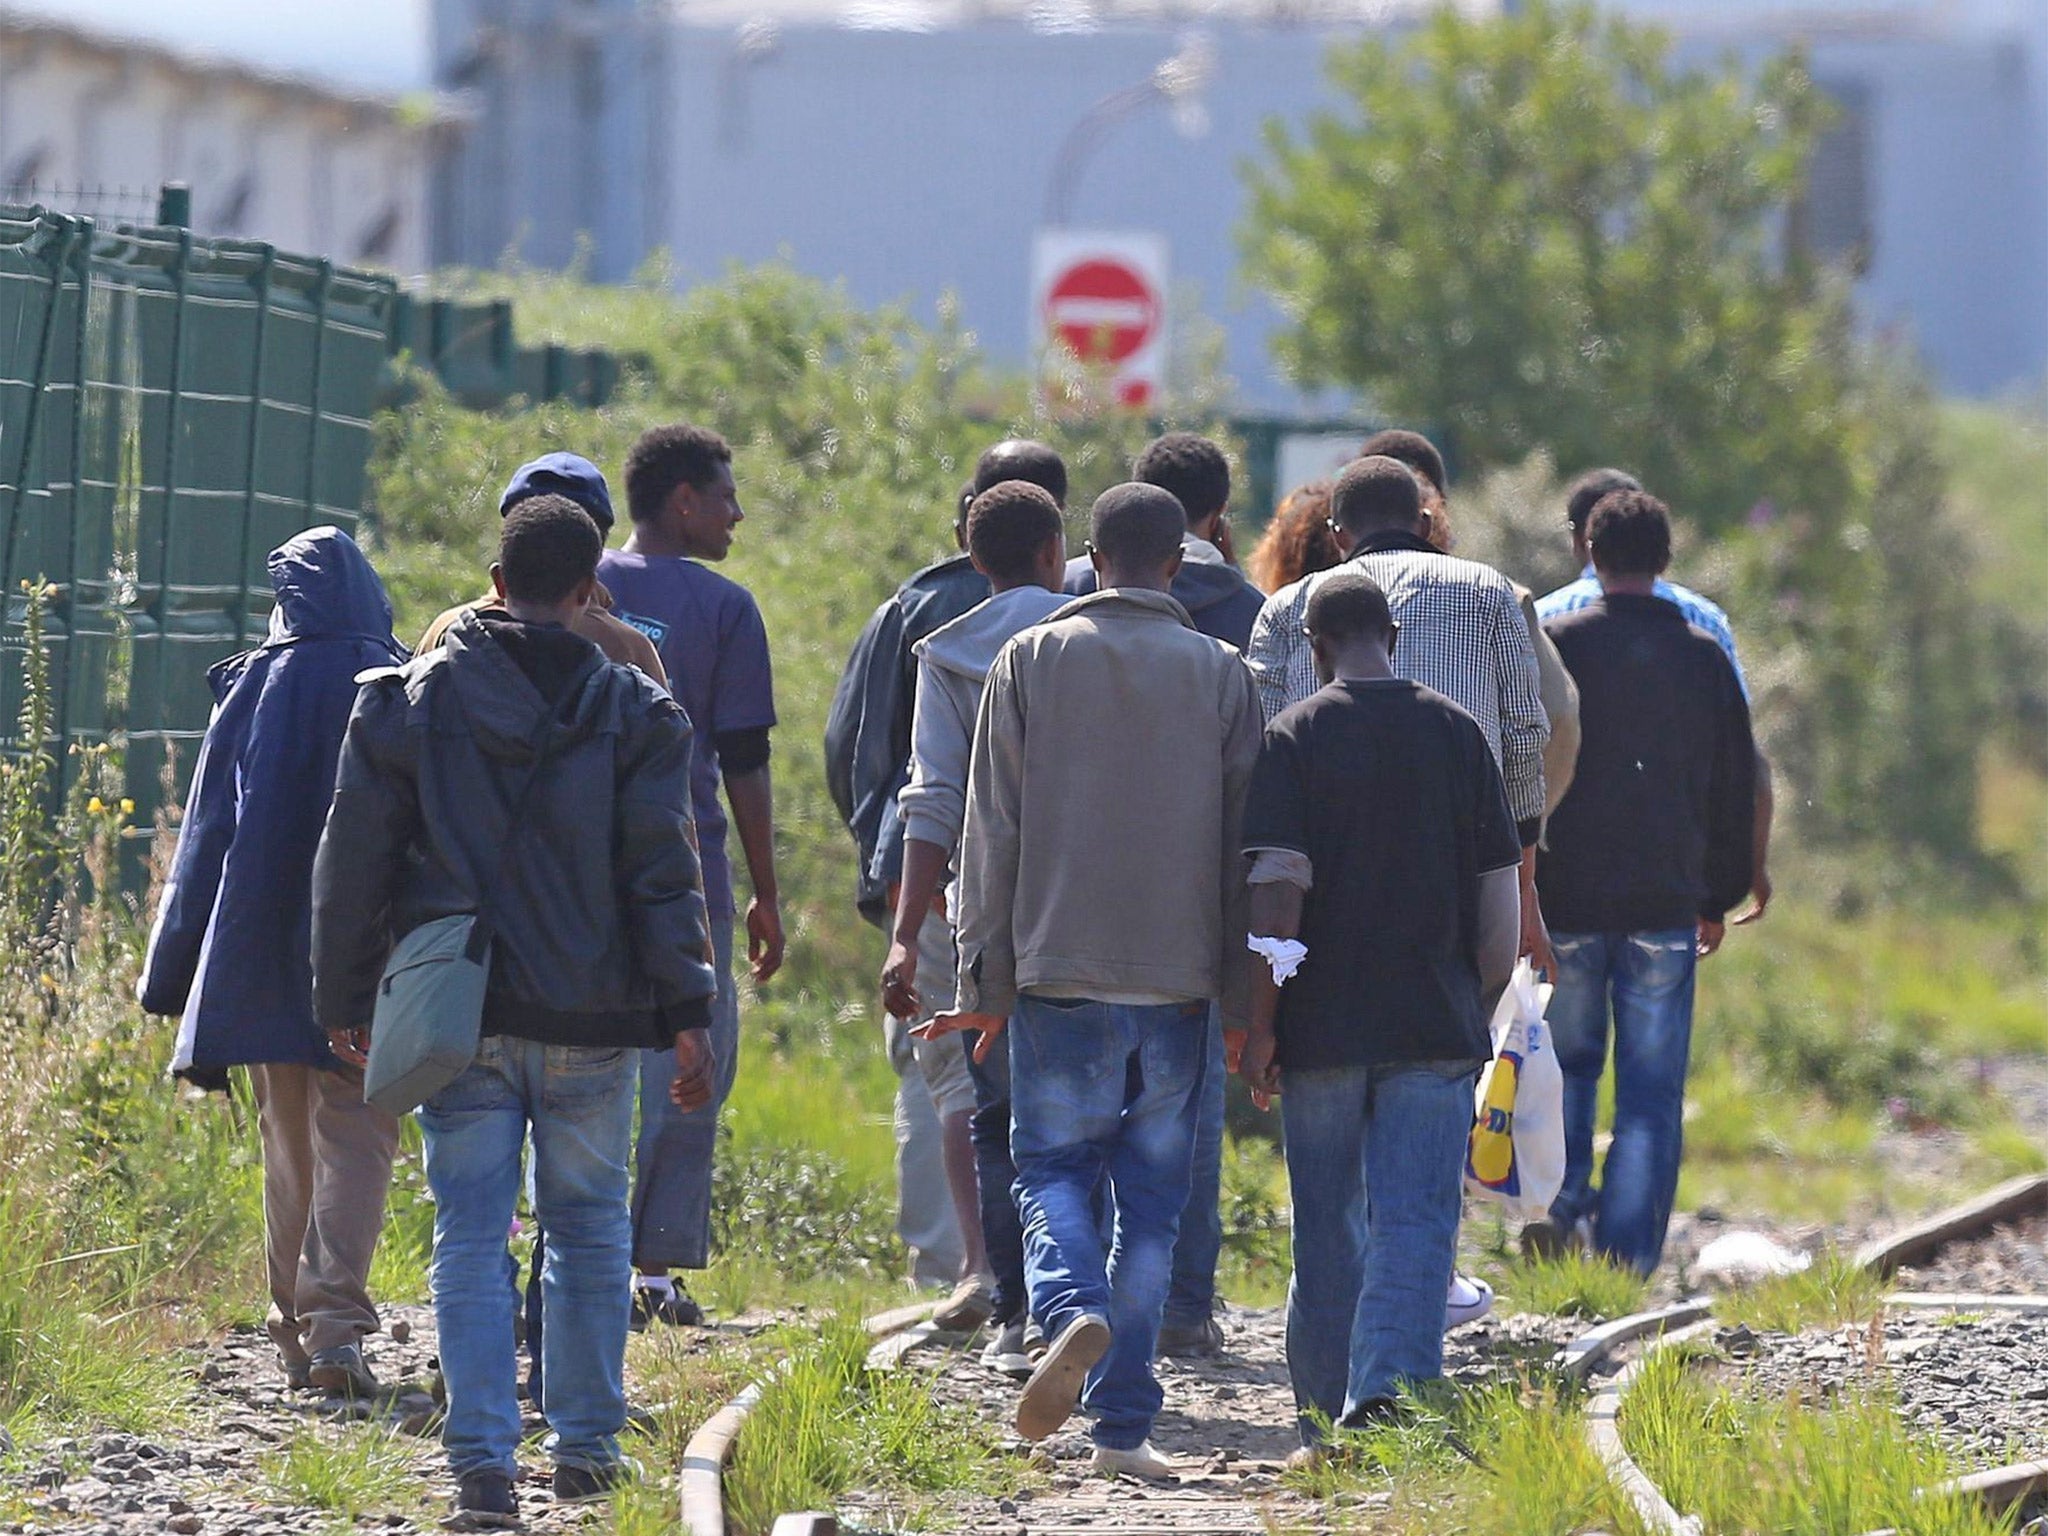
[952,666]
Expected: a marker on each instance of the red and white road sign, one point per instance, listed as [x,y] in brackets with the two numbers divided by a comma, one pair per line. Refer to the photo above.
[1099,304]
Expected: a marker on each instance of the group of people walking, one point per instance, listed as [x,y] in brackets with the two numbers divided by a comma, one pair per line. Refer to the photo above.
[1132,822]
[1129,823]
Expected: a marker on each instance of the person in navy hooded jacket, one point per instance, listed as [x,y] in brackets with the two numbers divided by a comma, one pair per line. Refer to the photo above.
[231,949]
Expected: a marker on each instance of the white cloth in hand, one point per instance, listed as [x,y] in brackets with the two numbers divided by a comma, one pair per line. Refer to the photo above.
[1283,955]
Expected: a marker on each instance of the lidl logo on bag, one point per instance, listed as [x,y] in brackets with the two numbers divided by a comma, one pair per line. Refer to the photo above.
[1490,1155]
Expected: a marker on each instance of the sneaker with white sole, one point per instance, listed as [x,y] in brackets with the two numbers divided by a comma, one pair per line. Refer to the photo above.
[1050,1396]
[1005,1353]
[1468,1301]
[1145,1463]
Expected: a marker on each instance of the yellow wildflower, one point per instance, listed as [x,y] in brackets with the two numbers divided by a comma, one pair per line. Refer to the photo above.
[96,806]
[127,806]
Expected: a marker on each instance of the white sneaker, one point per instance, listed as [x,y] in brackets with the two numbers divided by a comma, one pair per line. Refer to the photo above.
[1005,1353]
[1145,1464]
[1468,1301]
[1050,1396]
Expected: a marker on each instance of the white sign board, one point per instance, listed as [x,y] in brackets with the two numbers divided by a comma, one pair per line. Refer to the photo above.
[1098,305]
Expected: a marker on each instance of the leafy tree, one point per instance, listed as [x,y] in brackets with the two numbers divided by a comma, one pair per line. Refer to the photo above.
[1532,232]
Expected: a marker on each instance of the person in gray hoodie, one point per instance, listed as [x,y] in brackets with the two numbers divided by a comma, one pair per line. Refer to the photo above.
[1014,537]
[1100,897]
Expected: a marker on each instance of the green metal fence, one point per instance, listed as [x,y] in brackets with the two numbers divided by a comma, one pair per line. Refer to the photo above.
[171,408]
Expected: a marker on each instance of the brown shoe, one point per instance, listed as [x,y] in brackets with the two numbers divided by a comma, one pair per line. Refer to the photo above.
[966,1309]
[1054,1389]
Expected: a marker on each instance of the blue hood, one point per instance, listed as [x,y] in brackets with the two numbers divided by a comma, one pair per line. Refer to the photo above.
[326,589]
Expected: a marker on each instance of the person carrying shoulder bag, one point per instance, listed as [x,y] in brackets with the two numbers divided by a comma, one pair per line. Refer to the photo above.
[519,777]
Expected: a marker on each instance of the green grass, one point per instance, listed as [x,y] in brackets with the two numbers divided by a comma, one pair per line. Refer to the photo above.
[1832,1292]
[825,1424]
[1509,1460]
[346,1471]
[1571,1285]
[1746,1463]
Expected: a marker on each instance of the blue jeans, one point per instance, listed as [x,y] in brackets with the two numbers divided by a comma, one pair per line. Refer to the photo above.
[1095,1089]
[579,1104]
[1649,977]
[1002,1230]
[672,1163]
[1376,1164]
[1191,1298]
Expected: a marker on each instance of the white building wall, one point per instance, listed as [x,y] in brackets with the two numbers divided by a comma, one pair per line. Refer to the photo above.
[267,157]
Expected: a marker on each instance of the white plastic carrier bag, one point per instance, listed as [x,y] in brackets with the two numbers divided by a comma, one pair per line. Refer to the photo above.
[1516,1152]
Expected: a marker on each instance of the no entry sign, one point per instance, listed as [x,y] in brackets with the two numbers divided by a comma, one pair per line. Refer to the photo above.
[1099,305]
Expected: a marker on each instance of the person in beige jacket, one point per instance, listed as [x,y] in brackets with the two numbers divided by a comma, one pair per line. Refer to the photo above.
[1102,910]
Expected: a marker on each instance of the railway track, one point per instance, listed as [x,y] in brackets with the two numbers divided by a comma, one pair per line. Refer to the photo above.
[1983,1260]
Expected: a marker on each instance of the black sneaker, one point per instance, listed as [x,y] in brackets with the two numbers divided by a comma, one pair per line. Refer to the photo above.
[484,1501]
[587,1485]
[677,1309]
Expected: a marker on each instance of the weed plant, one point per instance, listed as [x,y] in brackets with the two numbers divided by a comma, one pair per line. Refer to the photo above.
[826,1424]
[346,1471]
[1572,1284]
[1832,1292]
[1508,1460]
[1785,1465]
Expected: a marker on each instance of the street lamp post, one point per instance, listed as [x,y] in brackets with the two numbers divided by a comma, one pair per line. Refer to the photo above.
[1178,81]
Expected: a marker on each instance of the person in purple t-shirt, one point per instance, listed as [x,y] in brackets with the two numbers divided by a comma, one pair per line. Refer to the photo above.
[680,492]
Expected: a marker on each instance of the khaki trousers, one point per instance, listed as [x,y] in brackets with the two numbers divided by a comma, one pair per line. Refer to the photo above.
[326,1167]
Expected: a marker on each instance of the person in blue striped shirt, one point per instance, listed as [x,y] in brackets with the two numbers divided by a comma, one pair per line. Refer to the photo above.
[1580,498]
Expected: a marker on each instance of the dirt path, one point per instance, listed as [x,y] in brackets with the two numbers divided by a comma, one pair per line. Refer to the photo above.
[228,1468]
[1229,1420]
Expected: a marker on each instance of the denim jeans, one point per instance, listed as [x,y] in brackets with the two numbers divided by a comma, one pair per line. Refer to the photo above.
[1649,978]
[1191,1297]
[579,1105]
[1002,1230]
[672,1162]
[1095,1089]
[1376,1164]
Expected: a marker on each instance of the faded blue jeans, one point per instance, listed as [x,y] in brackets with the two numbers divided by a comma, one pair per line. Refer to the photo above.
[1191,1298]
[579,1105]
[672,1162]
[1095,1089]
[1376,1166]
[1647,978]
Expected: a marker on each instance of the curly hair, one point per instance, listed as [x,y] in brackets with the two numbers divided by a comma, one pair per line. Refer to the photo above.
[1297,542]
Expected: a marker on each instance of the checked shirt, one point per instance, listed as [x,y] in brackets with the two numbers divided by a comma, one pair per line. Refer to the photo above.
[1462,633]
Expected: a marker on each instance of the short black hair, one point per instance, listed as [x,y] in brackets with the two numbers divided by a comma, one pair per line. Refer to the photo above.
[1379,492]
[1021,458]
[1348,605]
[1008,524]
[666,457]
[1190,466]
[1630,532]
[547,547]
[1138,527]
[1412,449]
[1584,493]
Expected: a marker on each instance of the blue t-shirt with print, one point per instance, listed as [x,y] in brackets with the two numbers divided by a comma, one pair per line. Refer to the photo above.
[709,632]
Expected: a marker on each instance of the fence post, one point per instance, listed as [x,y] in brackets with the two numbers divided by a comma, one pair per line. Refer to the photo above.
[174,205]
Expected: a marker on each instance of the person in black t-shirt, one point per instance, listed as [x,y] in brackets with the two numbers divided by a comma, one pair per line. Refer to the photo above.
[1382,843]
